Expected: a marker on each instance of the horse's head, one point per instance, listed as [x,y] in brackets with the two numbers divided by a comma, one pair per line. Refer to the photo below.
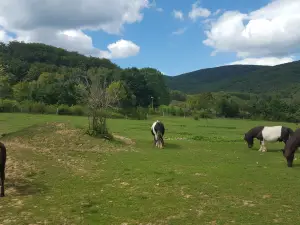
[159,140]
[249,139]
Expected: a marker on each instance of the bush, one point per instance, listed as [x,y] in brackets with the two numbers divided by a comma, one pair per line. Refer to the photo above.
[141,113]
[138,113]
[116,115]
[33,107]
[206,114]
[77,110]
[50,109]
[38,107]
[64,110]
[7,105]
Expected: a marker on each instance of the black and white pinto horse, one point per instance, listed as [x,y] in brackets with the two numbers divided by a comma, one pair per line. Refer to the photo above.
[158,131]
[291,146]
[267,134]
[2,167]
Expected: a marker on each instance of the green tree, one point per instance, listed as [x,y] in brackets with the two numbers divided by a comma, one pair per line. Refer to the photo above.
[22,91]
[156,83]
[228,108]
[5,87]
[137,84]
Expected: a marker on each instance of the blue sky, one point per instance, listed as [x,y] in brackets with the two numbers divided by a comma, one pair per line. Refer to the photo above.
[140,33]
[175,54]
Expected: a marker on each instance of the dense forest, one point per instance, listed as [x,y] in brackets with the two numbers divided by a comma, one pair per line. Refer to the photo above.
[283,79]
[210,79]
[39,78]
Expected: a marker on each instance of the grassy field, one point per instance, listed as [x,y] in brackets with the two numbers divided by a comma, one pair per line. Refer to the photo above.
[205,175]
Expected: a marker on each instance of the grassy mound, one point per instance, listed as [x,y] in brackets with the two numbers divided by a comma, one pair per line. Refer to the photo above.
[44,157]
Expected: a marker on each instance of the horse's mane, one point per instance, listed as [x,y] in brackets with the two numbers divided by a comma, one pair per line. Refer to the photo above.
[290,131]
[254,131]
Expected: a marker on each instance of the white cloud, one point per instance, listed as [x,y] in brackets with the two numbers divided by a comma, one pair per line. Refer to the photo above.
[270,31]
[61,23]
[108,15]
[178,14]
[4,37]
[198,11]
[154,5]
[179,31]
[265,61]
[120,49]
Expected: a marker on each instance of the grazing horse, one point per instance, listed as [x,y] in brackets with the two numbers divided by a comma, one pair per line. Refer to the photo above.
[291,146]
[267,134]
[158,131]
[2,167]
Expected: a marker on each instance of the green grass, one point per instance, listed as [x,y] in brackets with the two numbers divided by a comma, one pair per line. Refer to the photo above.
[204,175]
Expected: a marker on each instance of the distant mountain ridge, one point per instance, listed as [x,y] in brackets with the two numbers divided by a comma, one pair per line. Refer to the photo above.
[240,78]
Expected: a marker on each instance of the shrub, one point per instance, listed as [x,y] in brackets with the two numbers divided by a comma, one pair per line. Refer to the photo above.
[38,107]
[7,105]
[33,107]
[50,109]
[77,110]
[64,110]
[206,114]
[196,117]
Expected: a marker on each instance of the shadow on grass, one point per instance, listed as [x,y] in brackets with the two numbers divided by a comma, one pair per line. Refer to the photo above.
[269,150]
[172,146]
[274,150]
[24,187]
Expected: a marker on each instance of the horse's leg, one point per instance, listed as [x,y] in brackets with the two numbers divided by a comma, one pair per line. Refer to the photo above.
[264,149]
[2,175]
[154,142]
[260,148]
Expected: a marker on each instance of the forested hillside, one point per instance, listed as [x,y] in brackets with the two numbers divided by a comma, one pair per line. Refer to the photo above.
[284,79]
[38,78]
[211,79]
[42,73]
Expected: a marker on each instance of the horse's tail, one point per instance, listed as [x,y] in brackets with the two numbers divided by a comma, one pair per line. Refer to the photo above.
[159,134]
[2,152]
[2,156]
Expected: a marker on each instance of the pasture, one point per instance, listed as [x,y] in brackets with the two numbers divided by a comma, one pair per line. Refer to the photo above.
[206,174]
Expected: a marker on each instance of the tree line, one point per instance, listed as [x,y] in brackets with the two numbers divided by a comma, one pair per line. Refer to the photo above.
[40,78]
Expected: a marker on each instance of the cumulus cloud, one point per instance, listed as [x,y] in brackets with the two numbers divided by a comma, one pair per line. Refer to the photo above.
[265,61]
[198,11]
[178,14]
[108,15]
[120,49]
[62,23]
[179,31]
[270,31]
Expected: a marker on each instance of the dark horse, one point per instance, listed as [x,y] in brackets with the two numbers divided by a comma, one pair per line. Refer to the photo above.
[2,167]
[291,146]
[267,134]
[158,131]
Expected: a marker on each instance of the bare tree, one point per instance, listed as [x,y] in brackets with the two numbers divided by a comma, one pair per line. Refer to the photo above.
[101,98]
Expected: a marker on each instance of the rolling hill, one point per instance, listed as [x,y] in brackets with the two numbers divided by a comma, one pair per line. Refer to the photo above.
[239,78]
